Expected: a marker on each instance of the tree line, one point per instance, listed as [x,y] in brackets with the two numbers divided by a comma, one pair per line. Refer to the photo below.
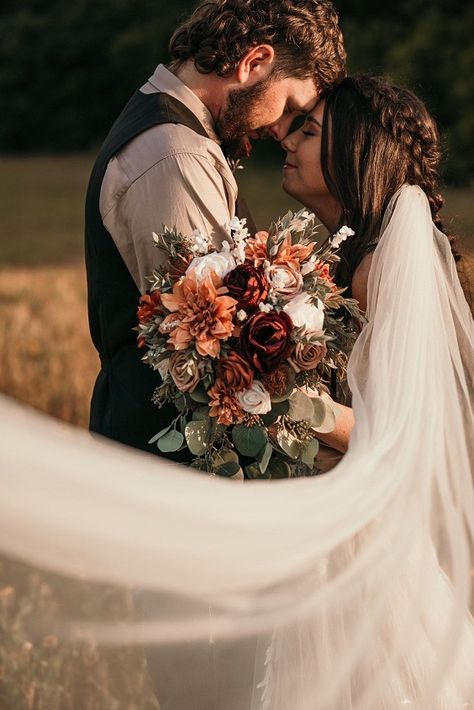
[66,69]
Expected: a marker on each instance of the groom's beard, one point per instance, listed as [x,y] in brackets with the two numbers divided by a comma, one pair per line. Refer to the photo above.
[235,121]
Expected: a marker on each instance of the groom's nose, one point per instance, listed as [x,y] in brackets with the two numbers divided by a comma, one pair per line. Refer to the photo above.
[279,129]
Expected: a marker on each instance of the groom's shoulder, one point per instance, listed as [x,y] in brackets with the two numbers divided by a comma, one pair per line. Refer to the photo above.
[163,143]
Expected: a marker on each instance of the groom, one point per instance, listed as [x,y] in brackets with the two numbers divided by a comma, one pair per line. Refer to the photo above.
[240,70]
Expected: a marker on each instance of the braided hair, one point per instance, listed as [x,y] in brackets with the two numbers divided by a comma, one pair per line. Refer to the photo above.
[378,138]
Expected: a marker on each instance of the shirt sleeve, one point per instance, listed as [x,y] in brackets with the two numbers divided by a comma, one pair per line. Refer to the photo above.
[183,190]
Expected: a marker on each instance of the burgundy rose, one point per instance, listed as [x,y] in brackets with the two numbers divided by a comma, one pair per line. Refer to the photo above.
[265,340]
[248,285]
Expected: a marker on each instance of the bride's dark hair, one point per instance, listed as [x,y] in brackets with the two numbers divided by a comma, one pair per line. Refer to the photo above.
[376,137]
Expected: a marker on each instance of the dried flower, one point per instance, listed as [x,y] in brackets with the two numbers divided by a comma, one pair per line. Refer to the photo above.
[223,404]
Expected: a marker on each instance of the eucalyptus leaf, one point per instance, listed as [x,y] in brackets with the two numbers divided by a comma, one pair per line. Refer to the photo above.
[239,476]
[264,457]
[289,444]
[319,412]
[229,469]
[199,396]
[161,433]
[253,471]
[270,418]
[280,408]
[196,434]
[180,403]
[310,452]
[172,441]
[249,440]
[224,456]
[328,421]
[301,407]
[201,414]
[278,469]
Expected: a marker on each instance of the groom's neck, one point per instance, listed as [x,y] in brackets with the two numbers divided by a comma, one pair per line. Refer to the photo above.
[211,89]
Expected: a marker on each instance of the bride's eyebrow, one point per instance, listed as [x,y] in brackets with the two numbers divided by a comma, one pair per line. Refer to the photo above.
[313,120]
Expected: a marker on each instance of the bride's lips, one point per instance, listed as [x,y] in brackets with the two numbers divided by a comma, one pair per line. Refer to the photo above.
[289,166]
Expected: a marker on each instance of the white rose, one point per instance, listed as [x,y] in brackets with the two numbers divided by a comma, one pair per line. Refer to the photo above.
[304,313]
[255,400]
[219,262]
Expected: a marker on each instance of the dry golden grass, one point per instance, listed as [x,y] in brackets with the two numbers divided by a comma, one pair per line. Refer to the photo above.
[46,356]
[47,361]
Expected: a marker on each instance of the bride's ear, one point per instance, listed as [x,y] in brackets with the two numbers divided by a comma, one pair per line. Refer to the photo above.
[256,64]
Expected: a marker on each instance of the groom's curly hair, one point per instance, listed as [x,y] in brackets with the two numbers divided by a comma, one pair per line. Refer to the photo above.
[305,35]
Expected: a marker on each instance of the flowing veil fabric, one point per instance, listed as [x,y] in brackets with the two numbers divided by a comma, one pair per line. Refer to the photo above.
[341,592]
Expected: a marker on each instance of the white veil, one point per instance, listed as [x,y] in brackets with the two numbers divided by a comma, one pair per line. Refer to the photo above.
[340,592]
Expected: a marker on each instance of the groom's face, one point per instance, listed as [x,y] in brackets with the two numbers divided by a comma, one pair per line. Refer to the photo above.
[266,109]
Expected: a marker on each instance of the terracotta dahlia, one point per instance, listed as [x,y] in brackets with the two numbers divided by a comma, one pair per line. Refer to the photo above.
[223,404]
[293,254]
[256,249]
[201,314]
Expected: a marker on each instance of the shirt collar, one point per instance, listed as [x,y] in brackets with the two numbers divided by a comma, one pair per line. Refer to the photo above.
[165,81]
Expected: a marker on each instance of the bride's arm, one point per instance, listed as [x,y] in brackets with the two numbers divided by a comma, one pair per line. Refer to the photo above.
[339,437]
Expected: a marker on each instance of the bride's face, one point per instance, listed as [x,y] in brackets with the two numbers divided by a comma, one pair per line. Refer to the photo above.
[302,173]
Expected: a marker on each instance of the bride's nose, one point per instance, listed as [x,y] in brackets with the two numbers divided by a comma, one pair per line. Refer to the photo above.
[289,143]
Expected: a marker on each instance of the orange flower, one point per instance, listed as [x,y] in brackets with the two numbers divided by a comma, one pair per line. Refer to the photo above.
[321,269]
[200,314]
[149,304]
[256,249]
[293,254]
[235,372]
[223,404]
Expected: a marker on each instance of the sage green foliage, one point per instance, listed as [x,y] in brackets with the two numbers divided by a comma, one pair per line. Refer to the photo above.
[69,68]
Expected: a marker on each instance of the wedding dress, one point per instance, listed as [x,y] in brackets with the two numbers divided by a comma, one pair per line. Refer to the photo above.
[348,591]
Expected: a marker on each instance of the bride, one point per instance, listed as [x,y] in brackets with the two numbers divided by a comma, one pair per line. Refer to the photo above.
[338,592]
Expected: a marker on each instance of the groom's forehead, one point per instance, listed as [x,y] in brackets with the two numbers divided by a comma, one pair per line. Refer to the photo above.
[304,94]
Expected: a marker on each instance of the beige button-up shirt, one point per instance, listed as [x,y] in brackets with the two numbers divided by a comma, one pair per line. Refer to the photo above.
[168,175]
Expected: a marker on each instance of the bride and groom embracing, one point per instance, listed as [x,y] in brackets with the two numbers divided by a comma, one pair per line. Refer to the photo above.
[366,156]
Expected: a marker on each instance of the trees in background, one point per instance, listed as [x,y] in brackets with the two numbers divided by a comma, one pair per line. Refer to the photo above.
[66,69]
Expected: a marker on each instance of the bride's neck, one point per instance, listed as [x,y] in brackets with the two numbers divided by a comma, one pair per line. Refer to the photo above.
[328,210]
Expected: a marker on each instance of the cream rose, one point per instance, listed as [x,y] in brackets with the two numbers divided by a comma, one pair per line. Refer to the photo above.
[285,281]
[304,314]
[219,262]
[255,399]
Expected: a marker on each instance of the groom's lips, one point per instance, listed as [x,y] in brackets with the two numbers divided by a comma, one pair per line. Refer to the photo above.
[289,166]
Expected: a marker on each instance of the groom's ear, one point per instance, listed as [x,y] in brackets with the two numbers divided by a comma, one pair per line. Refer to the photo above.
[256,64]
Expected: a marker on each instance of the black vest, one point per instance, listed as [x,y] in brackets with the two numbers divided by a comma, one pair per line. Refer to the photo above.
[121,407]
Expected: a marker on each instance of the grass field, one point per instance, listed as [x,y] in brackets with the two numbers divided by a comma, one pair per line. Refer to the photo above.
[47,361]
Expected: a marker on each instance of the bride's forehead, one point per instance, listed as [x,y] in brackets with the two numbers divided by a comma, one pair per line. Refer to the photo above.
[318,110]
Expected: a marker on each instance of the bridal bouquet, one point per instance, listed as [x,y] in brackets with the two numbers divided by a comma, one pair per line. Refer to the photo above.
[245,338]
